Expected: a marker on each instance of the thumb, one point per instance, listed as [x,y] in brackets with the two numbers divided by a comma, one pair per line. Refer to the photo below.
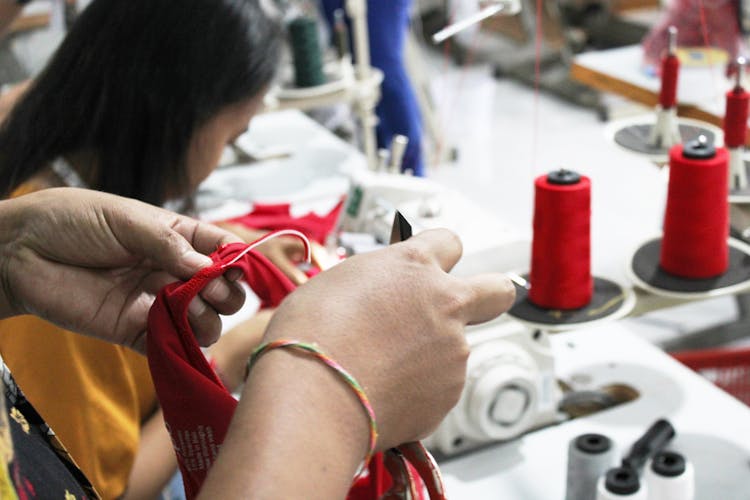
[490,296]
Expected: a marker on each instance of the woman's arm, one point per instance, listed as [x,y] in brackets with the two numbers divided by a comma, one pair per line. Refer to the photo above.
[155,463]
[9,11]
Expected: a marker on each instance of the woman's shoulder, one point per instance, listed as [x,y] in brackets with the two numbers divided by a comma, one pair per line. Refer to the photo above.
[40,181]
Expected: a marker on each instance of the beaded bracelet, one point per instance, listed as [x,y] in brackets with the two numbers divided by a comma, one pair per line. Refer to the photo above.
[345,375]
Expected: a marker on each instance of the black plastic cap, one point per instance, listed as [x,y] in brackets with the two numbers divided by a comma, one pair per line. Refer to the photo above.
[668,464]
[563,177]
[593,444]
[622,481]
[699,149]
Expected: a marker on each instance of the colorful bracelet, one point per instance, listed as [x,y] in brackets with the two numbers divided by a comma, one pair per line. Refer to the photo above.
[348,378]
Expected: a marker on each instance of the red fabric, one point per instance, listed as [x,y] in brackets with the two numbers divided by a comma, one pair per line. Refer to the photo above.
[278,216]
[197,407]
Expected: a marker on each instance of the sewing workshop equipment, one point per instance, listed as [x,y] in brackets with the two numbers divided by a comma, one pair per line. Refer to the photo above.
[695,257]
[559,292]
[654,135]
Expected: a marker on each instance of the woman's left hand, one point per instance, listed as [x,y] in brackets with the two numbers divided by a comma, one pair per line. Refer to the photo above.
[93,263]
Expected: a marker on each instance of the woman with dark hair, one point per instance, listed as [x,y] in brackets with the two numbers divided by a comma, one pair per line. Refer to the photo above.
[139,100]
[142,96]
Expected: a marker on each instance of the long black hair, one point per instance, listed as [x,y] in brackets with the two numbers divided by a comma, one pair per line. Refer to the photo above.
[131,83]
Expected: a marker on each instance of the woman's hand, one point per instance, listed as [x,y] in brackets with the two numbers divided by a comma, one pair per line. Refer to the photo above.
[395,320]
[93,263]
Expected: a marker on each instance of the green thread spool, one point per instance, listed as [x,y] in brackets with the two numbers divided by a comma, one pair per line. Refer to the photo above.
[306,52]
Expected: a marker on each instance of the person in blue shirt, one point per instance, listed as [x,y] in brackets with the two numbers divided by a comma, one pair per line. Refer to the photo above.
[398,109]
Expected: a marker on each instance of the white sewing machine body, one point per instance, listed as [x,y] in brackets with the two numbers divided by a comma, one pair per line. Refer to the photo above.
[487,243]
[510,389]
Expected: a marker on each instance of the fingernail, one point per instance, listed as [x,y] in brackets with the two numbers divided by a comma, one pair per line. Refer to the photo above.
[196,307]
[197,260]
[218,291]
[233,274]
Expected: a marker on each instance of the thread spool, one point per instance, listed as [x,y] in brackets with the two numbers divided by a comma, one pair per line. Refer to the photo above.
[620,483]
[735,117]
[560,275]
[306,52]
[696,221]
[670,69]
[589,457]
[670,477]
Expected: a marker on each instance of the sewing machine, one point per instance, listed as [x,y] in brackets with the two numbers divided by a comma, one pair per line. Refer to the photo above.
[375,196]
[713,429]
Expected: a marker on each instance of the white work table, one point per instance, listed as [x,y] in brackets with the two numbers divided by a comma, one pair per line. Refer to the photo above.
[713,429]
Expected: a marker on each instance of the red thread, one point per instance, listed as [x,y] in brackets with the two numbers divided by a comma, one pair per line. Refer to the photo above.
[560,274]
[670,69]
[538,39]
[696,221]
[735,118]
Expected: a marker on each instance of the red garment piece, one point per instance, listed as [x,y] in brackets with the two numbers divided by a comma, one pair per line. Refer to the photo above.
[278,216]
[197,407]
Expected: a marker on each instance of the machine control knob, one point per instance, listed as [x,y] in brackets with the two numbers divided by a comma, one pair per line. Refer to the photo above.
[510,405]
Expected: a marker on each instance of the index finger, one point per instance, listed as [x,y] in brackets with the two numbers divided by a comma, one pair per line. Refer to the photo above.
[442,245]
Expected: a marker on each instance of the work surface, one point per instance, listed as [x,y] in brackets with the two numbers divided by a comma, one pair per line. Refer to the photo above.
[713,429]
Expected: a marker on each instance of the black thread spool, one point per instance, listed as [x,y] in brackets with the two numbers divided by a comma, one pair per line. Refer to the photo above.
[306,52]
[620,483]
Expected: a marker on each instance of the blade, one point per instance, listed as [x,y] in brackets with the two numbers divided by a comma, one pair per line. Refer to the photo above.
[401,229]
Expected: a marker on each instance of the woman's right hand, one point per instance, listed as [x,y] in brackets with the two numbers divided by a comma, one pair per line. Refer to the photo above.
[395,319]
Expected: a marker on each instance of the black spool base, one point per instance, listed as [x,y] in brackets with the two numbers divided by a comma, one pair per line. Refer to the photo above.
[648,274]
[608,300]
[636,137]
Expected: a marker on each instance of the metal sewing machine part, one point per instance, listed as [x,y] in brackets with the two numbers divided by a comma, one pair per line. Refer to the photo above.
[655,438]
[666,132]
[669,476]
[735,128]
[589,457]
[341,33]
[620,483]
[490,8]
[383,156]
[398,148]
